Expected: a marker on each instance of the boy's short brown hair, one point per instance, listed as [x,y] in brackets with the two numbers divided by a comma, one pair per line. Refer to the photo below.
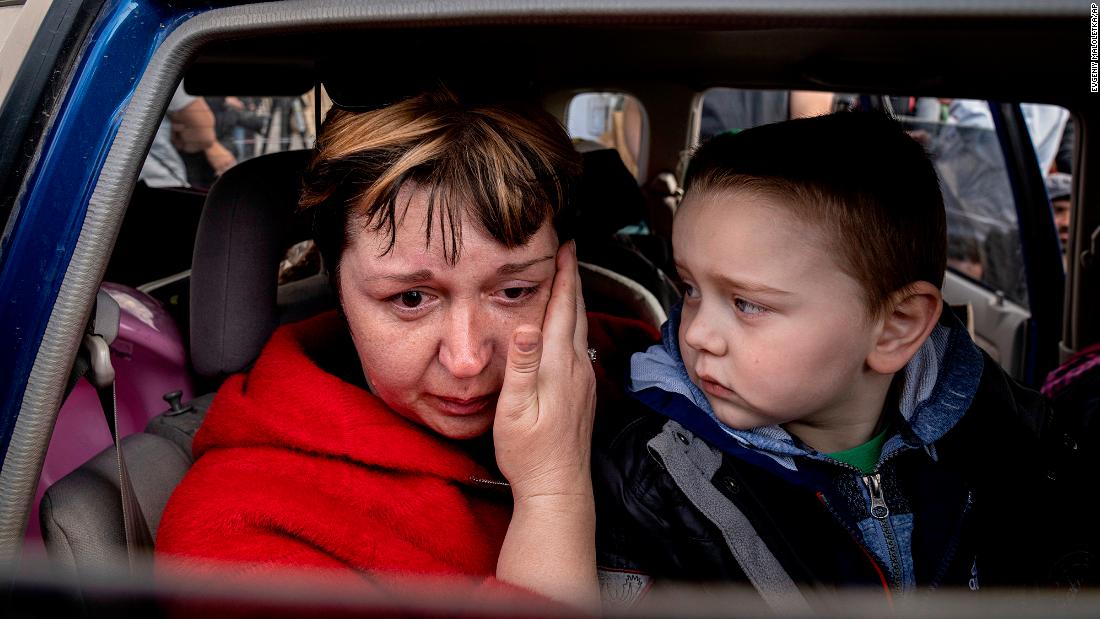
[509,166]
[859,175]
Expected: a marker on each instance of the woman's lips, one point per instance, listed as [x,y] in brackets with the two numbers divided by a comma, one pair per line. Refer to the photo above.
[463,406]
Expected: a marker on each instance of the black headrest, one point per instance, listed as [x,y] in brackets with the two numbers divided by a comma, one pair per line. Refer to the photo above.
[608,197]
[247,223]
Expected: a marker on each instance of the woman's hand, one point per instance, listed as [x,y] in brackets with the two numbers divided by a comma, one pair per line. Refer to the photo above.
[543,435]
[543,426]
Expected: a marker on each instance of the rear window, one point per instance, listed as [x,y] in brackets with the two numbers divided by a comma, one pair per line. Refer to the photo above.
[610,120]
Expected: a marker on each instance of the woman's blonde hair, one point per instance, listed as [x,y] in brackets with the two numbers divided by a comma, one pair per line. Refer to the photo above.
[510,168]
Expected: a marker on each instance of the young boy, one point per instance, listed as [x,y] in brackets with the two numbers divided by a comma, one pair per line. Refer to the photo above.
[817,417]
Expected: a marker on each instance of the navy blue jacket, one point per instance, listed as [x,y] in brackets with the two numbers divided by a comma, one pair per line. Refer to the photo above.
[962,496]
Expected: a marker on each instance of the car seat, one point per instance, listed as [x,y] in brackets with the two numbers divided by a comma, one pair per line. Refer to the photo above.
[248,221]
[612,293]
[609,201]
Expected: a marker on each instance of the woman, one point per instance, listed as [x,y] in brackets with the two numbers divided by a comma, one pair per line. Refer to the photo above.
[440,223]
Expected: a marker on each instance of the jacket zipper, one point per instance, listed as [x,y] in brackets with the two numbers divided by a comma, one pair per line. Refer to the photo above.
[878,504]
[881,512]
[856,535]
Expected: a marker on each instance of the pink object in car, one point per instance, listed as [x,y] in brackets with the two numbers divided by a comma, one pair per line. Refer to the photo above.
[150,360]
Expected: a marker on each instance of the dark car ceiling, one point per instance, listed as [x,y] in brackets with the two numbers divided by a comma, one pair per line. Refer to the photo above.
[1033,59]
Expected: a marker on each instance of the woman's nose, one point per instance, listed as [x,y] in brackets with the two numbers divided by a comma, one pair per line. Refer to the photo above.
[466,346]
[701,332]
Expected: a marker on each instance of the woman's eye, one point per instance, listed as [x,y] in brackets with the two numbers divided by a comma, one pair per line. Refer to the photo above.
[409,300]
[688,291]
[748,307]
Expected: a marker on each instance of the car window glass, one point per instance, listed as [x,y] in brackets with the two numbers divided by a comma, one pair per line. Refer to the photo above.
[611,120]
[736,109]
[199,138]
[983,233]
[1052,132]
[983,241]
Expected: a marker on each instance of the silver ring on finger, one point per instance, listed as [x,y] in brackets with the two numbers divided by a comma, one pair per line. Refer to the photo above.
[592,355]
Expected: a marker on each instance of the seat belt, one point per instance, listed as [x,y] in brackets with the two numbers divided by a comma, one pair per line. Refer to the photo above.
[95,365]
[692,464]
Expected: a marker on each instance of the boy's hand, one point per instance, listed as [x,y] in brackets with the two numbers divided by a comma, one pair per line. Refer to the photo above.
[543,427]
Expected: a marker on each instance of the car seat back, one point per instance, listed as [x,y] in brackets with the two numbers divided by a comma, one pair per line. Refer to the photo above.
[608,201]
[611,293]
[81,514]
[80,517]
[247,223]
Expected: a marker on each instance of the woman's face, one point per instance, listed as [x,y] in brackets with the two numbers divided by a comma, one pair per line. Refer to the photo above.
[433,337]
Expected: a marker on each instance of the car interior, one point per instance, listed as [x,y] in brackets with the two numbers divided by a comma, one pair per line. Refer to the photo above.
[210,258]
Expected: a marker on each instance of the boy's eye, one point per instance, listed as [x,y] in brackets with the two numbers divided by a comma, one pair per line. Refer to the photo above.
[688,290]
[748,307]
[516,293]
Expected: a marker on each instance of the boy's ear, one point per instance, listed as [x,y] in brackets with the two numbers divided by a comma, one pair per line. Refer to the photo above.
[909,317]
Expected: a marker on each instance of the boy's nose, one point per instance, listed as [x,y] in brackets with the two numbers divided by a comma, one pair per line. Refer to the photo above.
[700,333]
[465,348]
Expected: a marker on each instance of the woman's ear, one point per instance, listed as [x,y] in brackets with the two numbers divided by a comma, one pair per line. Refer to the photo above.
[909,318]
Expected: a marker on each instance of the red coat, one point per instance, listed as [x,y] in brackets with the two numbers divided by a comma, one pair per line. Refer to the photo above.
[295,467]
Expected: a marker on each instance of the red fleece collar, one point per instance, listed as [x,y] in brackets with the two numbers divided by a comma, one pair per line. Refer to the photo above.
[287,401]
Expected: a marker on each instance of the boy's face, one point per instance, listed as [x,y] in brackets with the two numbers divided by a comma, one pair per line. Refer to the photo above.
[772,329]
